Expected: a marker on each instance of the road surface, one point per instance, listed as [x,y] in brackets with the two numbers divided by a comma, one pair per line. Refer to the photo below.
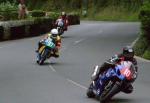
[64,80]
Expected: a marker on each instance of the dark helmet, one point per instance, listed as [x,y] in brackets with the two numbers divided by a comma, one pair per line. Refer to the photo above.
[128,52]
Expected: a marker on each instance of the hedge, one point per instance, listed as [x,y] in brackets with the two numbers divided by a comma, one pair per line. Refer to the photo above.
[1,32]
[25,28]
[145,20]
[142,47]
[8,11]
[73,19]
[29,27]
[53,15]
[8,15]
[37,13]
[146,54]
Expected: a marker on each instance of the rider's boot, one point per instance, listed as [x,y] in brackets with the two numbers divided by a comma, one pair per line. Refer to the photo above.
[56,55]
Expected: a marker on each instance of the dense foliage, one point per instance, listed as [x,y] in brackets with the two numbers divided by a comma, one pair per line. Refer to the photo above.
[8,10]
[145,19]
[142,47]
[95,9]
[120,10]
[77,4]
[37,13]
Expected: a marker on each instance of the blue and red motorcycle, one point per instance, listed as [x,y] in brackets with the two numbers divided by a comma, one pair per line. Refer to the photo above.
[112,81]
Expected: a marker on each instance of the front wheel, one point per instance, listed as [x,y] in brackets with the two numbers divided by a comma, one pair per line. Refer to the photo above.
[61,32]
[41,62]
[90,93]
[43,56]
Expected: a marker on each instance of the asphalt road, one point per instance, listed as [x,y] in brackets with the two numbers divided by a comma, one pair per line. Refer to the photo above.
[64,80]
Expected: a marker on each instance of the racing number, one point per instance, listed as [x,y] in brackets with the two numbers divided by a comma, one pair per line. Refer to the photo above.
[127,73]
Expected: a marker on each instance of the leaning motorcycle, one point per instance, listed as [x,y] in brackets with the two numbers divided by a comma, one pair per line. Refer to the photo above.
[113,81]
[60,27]
[45,51]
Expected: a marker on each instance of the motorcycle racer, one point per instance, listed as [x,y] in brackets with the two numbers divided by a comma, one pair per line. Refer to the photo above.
[56,39]
[126,55]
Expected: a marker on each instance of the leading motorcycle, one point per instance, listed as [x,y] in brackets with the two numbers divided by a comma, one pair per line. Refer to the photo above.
[112,81]
[45,51]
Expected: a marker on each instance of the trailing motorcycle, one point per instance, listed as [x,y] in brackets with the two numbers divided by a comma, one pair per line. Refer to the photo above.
[45,51]
[112,81]
[60,26]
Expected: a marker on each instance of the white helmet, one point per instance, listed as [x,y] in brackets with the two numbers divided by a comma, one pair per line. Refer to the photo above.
[54,32]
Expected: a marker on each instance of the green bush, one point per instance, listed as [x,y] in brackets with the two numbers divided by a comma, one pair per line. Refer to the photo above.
[145,7]
[140,46]
[7,6]
[53,15]
[8,10]
[74,13]
[14,15]
[145,19]
[9,15]
[38,13]
[146,54]
[41,19]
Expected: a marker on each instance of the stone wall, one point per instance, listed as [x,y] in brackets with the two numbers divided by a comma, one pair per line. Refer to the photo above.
[28,28]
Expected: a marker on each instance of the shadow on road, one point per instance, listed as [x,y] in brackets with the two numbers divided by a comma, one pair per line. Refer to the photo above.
[52,63]
[121,100]
[65,37]
[117,100]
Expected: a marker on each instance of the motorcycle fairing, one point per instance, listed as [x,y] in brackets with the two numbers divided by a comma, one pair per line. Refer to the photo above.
[119,71]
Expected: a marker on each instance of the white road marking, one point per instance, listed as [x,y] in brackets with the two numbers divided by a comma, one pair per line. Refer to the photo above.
[78,41]
[71,81]
[51,67]
[142,59]
[133,43]
[77,84]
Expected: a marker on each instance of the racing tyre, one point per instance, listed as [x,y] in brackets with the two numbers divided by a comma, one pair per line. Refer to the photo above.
[110,92]
[90,92]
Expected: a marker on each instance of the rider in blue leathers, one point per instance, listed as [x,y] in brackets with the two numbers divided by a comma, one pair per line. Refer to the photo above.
[127,55]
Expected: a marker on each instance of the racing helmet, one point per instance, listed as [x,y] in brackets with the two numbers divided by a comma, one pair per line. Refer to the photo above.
[54,33]
[63,13]
[128,52]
